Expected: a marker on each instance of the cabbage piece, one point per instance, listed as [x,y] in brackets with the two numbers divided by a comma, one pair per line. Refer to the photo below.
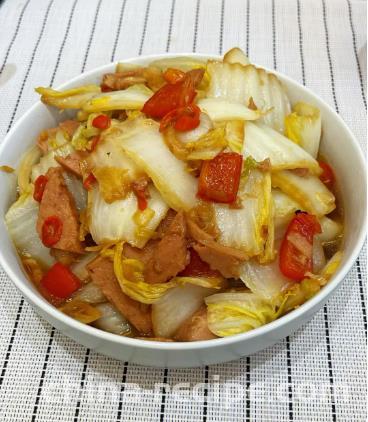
[308,191]
[266,95]
[75,187]
[285,208]
[236,55]
[237,312]
[269,251]
[71,98]
[262,142]
[182,63]
[221,109]
[145,145]
[57,140]
[175,307]
[110,153]
[125,67]
[90,293]
[73,183]
[318,256]
[298,294]
[28,161]
[266,281]
[114,183]
[112,321]
[113,169]
[81,311]
[234,132]
[21,220]
[114,222]
[82,137]
[207,146]
[332,265]
[304,126]
[246,228]
[79,267]
[48,160]
[248,84]
[284,211]
[205,125]
[331,229]
[132,98]
[228,81]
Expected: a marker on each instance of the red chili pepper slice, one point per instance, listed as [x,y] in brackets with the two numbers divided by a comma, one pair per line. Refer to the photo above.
[173,96]
[89,181]
[141,192]
[101,122]
[52,229]
[95,140]
[183,119]
[172,76]
[297,246]
[220,177]
[59,281]
[40,184]
[327,176]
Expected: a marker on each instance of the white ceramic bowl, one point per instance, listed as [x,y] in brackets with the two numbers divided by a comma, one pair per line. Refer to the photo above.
[343,152]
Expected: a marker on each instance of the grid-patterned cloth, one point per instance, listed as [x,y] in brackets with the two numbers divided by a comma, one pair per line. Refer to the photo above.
[318,374]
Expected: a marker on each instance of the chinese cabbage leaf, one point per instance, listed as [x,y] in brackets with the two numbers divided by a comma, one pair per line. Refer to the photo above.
[262,142]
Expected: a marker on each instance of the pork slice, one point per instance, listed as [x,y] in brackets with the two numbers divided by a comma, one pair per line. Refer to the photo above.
[122,80]
[170,256]
[57,201]
[219,257]
[43,139]
[102,274]
[165,224]
[69,126]
[144,255]
[195,328]
[72,162]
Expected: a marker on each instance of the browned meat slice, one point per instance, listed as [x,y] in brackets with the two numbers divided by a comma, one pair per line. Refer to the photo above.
[122,80]
[72,162]
[69,126]
[57,201]
[102,273]
[144,255]
[195,328]
[151,76]
[170,255]
[165,223]
[219,257]
[43,137]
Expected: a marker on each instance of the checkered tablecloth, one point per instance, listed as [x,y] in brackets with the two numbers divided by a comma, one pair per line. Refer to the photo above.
[317,374]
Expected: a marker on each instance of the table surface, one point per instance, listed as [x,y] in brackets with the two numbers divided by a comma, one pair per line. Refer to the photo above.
[317,374]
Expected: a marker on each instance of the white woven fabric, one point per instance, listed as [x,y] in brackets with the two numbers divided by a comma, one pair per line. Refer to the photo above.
[318,374]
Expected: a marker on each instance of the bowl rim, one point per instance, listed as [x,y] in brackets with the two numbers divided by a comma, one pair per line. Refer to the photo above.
[320,298]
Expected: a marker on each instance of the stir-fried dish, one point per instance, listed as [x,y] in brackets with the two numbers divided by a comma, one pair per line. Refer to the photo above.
[179,201]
